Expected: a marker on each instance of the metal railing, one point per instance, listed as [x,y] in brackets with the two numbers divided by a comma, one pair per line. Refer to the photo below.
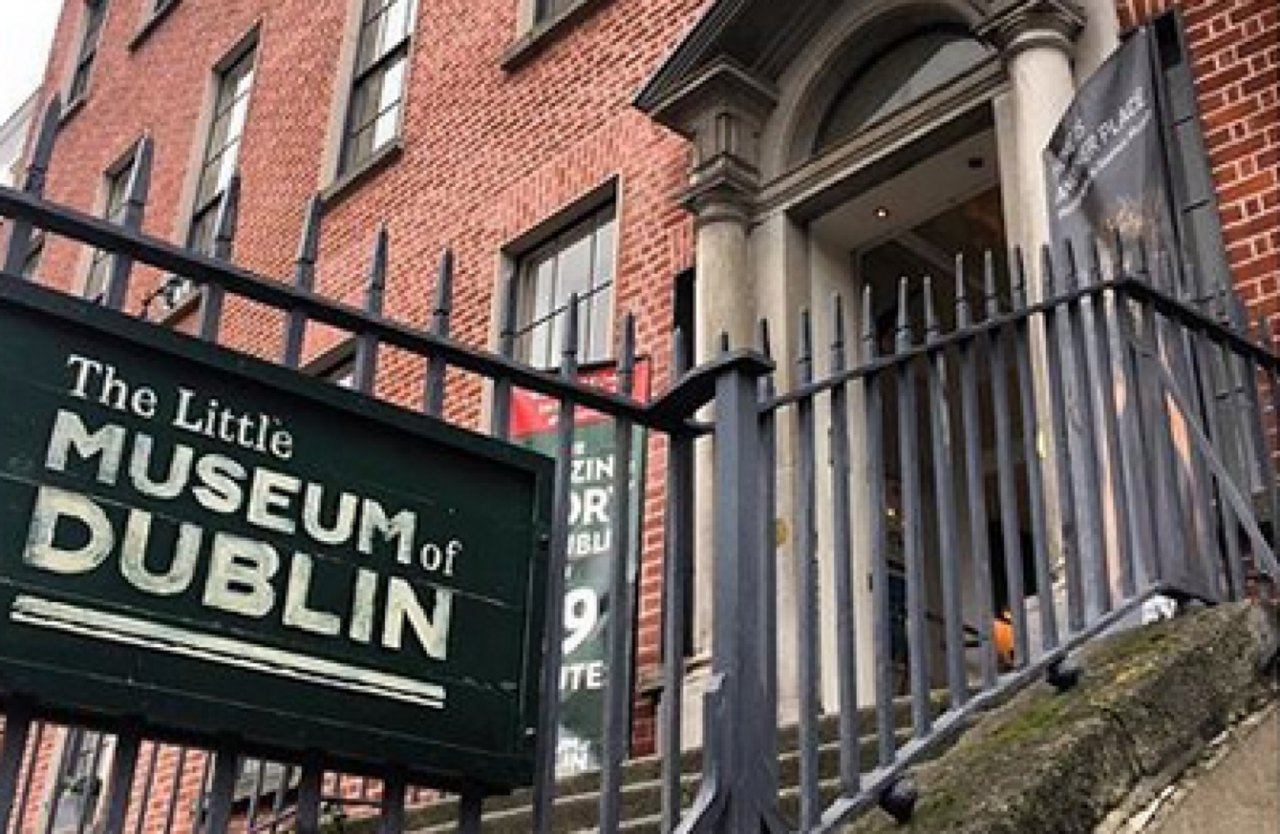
[952,501]
[1013,477]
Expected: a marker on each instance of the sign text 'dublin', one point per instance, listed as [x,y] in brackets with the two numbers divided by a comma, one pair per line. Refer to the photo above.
[190,531]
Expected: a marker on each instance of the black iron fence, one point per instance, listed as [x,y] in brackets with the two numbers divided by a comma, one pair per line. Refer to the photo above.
[968,481]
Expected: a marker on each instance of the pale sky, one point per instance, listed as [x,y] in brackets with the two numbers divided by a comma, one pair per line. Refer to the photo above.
[26,29]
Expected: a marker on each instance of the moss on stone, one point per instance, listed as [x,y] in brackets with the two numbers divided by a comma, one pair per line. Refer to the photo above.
[1058,763]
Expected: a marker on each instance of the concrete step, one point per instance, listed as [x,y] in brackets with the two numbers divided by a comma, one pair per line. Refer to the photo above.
[641,800]
[577,796]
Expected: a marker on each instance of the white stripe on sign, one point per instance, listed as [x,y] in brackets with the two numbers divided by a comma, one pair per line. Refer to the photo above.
[118,628]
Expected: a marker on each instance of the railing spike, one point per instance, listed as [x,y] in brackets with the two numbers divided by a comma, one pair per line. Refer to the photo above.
[1049,277]
[964,316]
[42,151]
[869,347]
[989,284]
[443,308]
[135,205]
[1095,261]
[1019,279]
[679,355]
[932,329]
[804,358]
[837,322]
[18,248]
[308,245]
[1071,278]
[375,289]
[569,347]
[904,335]
[627,355]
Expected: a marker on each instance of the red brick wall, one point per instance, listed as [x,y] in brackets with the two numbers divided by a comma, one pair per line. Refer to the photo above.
[487,155]
[1235,46]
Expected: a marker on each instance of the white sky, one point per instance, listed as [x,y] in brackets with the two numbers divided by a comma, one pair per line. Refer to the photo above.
[26,30]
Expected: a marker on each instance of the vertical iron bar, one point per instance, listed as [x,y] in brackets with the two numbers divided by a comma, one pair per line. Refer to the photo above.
[677,518]
[124,763]
[20,230]
[226,768]
[310,791]
[224,235]
[17,728]
[433,402]
[767,594]
[1128,540]
[1218,392]
[470,812]
[1155,431]
[135,202]
[391,820]
[806,567]
[618,630]
[1056,332]
[1006,476]
[912,547]
[1266,459]
[735,754]
[971,418]
[553,642]
[501,418]
[304,280]
[945,504]
[1022,348]
[1080,415]
[882,640]
[87,805]
[842,553]
[366,361]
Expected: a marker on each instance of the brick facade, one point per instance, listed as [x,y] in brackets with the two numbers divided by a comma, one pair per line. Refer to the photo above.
[489,153]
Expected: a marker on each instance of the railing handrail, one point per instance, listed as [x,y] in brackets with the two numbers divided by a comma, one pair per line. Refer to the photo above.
[142,248]
[1127,285]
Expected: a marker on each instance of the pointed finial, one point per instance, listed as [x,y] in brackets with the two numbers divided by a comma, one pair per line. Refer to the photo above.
[904,335]
[304,262]
[989,284]
[444,294]
[375,288]
[932,329]
[869,346]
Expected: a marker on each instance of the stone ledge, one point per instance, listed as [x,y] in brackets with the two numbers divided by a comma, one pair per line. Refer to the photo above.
[1152,699]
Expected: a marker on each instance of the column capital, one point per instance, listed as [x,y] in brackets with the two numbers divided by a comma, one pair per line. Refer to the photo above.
[722,110]
[1016,25]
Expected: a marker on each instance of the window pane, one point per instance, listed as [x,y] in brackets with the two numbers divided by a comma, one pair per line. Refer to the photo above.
[375,111]
[901,75]
[579,261]
[222,149]
[383,33]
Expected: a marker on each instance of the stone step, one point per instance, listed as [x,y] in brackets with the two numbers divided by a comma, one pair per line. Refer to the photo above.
[641,800]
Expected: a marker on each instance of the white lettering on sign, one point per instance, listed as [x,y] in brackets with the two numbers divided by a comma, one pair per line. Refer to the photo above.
[73,534]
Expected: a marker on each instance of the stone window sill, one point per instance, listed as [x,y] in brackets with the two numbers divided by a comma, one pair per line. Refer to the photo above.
[546,32]
[151,23]
[351,180]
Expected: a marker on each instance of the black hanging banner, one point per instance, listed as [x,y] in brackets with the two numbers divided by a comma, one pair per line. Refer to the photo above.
[1105,164]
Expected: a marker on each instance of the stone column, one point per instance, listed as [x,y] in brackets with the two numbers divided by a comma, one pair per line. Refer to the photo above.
[1036,40]
[721,111]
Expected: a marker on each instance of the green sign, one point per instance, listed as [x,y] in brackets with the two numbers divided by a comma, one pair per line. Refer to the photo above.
[216,546]
[591,552]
